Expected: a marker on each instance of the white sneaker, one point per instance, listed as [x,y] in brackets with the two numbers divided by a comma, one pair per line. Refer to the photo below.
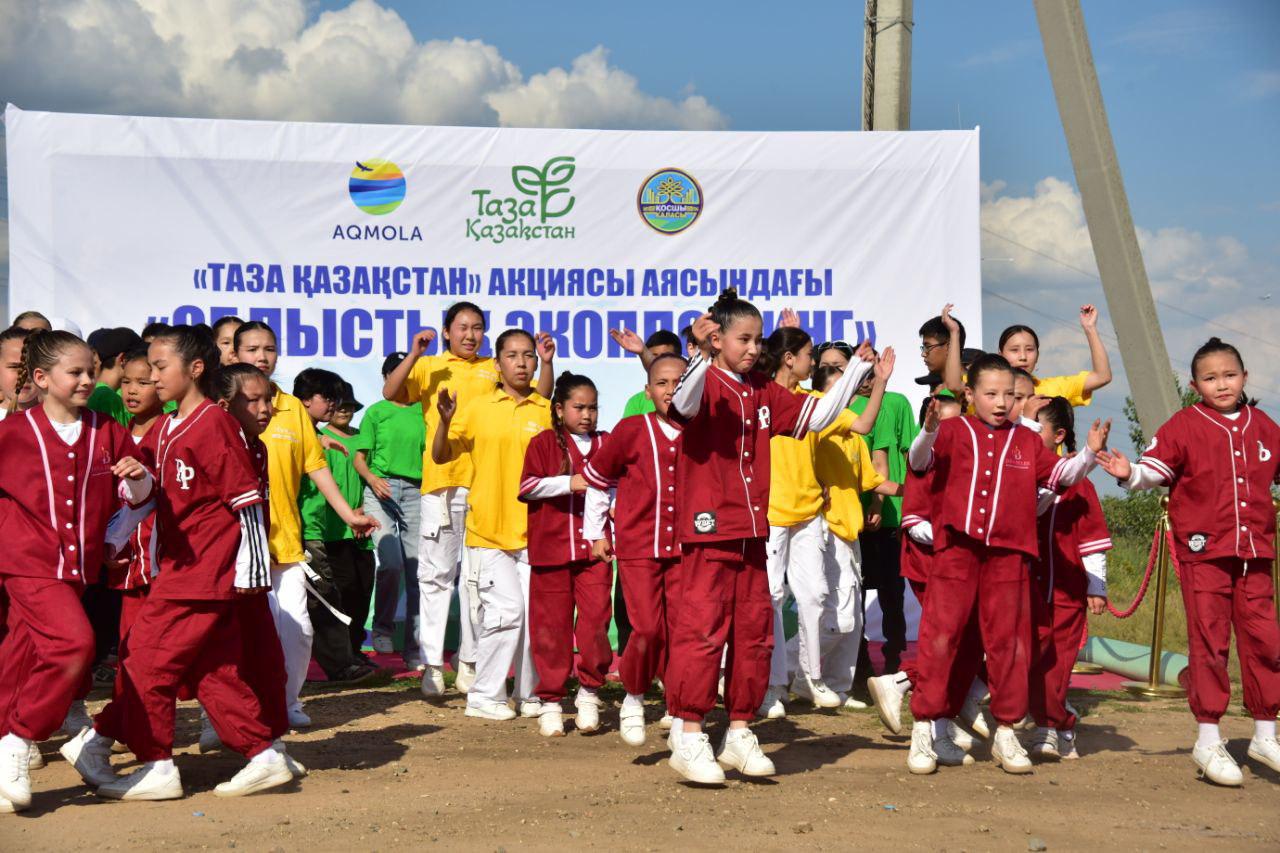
[35,758]
[530,708]
[922,760]
[1265,750]
[209,740]
[817,693]
[1217,765]
[383,644]
[91,758]
[77,719]
[256,776]
[15,776]
[412,660]
[1026,724]
[847,701]
[772,708]
[145,783]
[7,807]
[949,753]
[1067,745]
[1072,710]
[665,722]
[1007,752]
[588,717]
[959,736]
[693,760]
[1044,745]
[296,767]
[742,753]
[631,725]
[888,701]
[971,717]
[433,681]
[499,711]
[298,718]
[466,677]
[551,722]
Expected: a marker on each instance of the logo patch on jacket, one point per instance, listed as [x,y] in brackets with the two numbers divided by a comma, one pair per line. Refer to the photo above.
[704,522]
[1197,542]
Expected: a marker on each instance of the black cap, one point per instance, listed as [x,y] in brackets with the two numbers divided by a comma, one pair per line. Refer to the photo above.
[393,361]
[929,380]
[969,355]
[347,399]
[109,343]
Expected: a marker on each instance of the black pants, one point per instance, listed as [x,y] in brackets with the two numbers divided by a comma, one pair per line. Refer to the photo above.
[882,571]
[345,570]
[620,611]
[102,606]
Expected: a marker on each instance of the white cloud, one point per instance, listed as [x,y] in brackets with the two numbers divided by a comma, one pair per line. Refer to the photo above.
[263,59]
[1261,84]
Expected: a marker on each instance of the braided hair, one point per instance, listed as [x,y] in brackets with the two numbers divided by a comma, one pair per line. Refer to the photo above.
[566,384]
[1058,414]
[15,333]
[41,351]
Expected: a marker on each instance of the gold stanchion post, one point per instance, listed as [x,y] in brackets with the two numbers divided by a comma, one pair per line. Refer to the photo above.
[1152,687]
[1275,562]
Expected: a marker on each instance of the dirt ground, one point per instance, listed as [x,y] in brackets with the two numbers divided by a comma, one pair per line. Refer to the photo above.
[389,771]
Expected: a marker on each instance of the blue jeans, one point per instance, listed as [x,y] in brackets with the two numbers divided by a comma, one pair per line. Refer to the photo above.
[396,544]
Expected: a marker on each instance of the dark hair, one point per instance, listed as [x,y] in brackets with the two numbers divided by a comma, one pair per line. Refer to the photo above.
[204,328]
[317,380]
[566,384]
[824,375]
[156,329]
[507,335]
[686,335]
[228,381]
[1019,373]
[1217,345]
[728,309]
[457,308]
[14,333]
[223,321]
[1017,330]
[935,328]
[252,326]
[664,338]
[135,354]
[785,340]
[661,358]
[31,315]
[392,362]
[194,344]
[985,364]
[1059,415]
[842,347]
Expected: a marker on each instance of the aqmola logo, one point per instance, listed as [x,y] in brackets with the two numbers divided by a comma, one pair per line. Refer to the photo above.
[376,186]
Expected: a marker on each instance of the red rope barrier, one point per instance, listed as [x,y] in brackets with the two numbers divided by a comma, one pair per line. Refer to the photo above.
[1146,579]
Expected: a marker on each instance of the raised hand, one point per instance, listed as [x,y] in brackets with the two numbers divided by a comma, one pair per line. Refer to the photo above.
[546,346]
[1098,434]
[702,329]
[948,320]
[789,319]
[421,341]
[1033,404]
[628,340]
[931,417]
[1115,463]
[865,351]
[446,405]
[884,365]
[1088,317]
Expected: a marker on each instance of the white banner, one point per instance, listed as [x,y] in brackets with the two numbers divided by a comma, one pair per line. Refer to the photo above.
[349,238]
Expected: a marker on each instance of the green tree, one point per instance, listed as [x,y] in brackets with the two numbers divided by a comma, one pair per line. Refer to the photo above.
[1188,397]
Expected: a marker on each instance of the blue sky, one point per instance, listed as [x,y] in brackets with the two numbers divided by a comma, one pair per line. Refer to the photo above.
[1192,91]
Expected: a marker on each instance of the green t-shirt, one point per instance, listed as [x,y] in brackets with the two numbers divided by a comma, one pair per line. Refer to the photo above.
[319,521]
[639,404]
[894,430]
[394,438]
[107,400]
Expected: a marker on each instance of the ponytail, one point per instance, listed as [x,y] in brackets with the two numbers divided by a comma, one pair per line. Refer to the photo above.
[1058,414]
[785,340]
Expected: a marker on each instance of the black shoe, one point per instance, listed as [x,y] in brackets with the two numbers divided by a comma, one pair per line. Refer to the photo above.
[354,674]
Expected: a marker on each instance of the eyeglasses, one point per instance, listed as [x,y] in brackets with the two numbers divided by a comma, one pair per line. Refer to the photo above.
[925,349]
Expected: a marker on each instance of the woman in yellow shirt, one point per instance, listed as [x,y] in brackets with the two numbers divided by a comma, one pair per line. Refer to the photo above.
[495,430]
[1020,345]
[469,376]
[294,450]
[796,533]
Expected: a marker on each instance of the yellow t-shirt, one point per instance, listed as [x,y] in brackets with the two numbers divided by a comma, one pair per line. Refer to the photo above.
[795,495]
[1071,387]
[470,380]
[497,430]
[843,465]
[293,449]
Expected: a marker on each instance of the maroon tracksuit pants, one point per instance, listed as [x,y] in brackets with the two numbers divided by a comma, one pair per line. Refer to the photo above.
[651,589]
[554,593]
[724,598]
[1059,624]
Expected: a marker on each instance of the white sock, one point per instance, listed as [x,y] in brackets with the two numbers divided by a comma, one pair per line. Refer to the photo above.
[267,756]
[13,743]
[1264,728]
[164,767]
[1209,735]
[633,700]
[734,734]
[902,684]
[677,729]
[585,691]
[940,729]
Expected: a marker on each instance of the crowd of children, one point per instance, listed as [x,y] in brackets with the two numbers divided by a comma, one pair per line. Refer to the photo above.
[229,533]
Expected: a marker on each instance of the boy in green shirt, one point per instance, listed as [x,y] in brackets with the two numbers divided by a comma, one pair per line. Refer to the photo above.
[340,565]
[659,343]
[108,345]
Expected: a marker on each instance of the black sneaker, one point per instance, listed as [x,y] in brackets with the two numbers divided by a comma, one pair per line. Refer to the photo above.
[354,674]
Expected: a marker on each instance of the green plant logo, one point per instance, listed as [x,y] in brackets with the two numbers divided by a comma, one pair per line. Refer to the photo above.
[543,195]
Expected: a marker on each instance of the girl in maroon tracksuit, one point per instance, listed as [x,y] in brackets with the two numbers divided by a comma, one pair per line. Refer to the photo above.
[63,471]
[988,472]
[1069,575]
[640,458]
[565,574]
[1219,459]
[729,413]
